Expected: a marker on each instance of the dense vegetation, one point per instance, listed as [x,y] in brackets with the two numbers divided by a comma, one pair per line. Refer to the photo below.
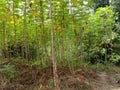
[66,33]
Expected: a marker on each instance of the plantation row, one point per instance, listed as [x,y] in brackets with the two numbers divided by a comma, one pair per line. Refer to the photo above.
[80,32]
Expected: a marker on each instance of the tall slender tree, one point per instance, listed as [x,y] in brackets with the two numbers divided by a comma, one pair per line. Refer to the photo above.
[56,80]
[25,32]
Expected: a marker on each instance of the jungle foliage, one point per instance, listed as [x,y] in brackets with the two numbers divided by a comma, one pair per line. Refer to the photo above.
[80,33]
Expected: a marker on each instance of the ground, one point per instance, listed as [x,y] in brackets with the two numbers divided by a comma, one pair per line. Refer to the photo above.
[106,82]
[28,77]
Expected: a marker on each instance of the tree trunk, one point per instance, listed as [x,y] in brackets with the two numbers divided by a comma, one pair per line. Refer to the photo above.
[25,34]
[56,80]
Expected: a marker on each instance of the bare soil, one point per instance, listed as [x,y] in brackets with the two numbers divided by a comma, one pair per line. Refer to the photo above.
[30,78]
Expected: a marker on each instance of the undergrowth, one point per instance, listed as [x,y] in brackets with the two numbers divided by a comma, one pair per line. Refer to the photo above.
[8,71]
[18,70]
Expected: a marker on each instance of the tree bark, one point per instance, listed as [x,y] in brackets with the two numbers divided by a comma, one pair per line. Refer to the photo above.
[56,80]
[25,34]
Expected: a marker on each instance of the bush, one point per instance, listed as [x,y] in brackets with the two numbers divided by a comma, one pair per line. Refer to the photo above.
[115,58]
[8,71]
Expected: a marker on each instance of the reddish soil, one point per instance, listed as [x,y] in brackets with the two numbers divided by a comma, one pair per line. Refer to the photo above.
[30,78]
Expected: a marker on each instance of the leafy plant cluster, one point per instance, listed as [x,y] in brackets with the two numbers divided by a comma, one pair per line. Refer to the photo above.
[8,71]
[80,33]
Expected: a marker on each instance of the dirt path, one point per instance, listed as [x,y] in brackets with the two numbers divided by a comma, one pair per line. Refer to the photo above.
[106,82]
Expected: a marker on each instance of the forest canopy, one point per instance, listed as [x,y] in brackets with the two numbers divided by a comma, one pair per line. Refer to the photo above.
[80,29]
